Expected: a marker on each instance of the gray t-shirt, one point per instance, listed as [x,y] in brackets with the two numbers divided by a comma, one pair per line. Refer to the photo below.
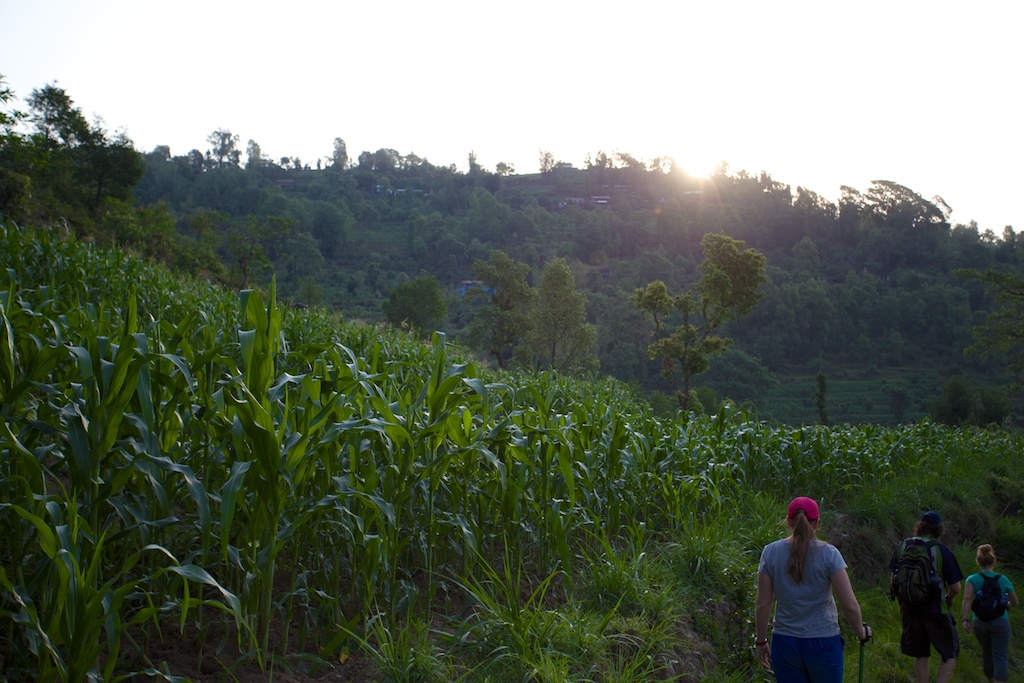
[806,609]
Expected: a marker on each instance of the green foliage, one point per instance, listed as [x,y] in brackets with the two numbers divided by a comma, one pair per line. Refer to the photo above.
[245,467]
[862,285]
[740,377]
[504,320]
[247,244]
[73,165]
[416,305]
[404,653]
[241,466]
[866,281]
[559,335]
[953,407]
[961,404]
[83,176]
[727,289]
[899,401]
[820,398]
[992,408]
[1001,330]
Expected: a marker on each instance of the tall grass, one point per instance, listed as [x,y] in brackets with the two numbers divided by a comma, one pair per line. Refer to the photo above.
[175,457]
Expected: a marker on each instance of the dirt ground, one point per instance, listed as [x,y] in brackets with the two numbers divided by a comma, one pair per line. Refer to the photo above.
[181,656]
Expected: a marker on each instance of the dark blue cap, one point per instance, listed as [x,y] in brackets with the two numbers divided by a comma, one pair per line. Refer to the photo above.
[932,518]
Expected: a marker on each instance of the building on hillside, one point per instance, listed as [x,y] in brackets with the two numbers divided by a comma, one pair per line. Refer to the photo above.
[465,286]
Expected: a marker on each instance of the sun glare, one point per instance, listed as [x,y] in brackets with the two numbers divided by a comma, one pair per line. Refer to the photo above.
[697,163]
[699,158]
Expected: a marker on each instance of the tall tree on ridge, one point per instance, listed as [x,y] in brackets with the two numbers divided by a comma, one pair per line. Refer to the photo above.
[339,157]
[547,161]
[224,147]
[727,289]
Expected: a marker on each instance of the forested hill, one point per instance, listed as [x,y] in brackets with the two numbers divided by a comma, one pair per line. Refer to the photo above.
[862,291]
[862,316]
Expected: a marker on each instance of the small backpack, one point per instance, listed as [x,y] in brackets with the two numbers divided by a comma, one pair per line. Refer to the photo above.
[915,578]
[990,602]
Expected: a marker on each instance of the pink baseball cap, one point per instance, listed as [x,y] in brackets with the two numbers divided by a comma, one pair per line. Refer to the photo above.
[809,507]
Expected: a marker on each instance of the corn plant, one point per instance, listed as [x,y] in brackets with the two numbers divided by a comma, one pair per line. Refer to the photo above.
[247,467]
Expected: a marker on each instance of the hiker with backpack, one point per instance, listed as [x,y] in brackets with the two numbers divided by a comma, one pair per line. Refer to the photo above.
[989,595]
[925,579]
[799,574]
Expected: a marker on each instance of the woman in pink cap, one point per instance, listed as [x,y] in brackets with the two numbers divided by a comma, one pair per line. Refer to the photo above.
[802,576]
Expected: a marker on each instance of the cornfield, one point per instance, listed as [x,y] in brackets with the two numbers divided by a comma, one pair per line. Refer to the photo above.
[175,457]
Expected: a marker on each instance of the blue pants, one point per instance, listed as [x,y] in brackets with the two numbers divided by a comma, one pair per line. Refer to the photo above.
[807,660]
[994,638]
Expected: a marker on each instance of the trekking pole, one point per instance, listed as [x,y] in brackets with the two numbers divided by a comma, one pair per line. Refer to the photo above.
[867,637]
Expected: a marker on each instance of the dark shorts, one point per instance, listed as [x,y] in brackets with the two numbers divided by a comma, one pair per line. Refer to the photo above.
[925,630]
[807,660]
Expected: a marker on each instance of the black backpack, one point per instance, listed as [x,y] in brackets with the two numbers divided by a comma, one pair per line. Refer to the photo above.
[915,577]
[990,602]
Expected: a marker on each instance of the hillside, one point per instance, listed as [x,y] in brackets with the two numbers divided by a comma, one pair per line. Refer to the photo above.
[200,486]
[864,288]
[861,291]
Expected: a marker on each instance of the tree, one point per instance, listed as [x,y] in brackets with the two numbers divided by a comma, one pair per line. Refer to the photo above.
[500,324]
[628,161]
[60,127]
[56,118]
[14,185]
[301,259]
[547,161]
[899,402]
[417,304]
[601,160]
[806,255]
[339,157]
[740,377]
[385,160]
[196,161]
[8,119]
[487,218]
[559,335]
[504,169]
[254,156]
[955,405]
[903,228]
[1003,329]
[728,288]
[224,148]
[819,399]
[245,242]
[993,407]
[107,167]
[81,164]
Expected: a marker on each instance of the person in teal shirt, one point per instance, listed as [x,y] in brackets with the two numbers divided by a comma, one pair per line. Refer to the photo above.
[994,635]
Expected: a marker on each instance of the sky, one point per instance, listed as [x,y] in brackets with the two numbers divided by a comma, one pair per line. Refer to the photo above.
[817,94]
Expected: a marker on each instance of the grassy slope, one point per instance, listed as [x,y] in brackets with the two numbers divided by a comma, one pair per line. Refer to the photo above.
[687,594]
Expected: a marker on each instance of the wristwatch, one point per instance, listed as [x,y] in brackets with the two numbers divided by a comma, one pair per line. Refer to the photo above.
[758,642]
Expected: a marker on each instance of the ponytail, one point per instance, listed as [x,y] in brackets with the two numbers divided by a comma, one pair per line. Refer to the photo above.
[803,534]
